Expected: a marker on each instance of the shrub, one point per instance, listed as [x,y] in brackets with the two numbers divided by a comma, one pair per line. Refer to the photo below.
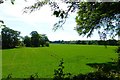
[47,44]
[59,74]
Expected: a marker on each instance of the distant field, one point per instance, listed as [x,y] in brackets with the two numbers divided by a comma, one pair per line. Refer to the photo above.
[22,62]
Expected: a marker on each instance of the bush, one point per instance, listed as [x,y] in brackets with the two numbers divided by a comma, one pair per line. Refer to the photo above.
[59,73]
[47,44]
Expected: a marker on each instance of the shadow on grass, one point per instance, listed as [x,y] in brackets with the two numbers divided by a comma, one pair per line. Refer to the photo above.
[10,48]
[104,71]
[106,67]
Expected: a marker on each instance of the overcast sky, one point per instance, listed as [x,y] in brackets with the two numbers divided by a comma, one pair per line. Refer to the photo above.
[41,21]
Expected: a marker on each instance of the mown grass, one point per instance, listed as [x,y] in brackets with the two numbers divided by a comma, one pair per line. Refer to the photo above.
[22,62]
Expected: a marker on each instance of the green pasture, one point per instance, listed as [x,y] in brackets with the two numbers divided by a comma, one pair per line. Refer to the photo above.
[23,62]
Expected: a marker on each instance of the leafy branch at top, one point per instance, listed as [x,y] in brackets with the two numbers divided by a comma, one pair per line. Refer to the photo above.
[101,16]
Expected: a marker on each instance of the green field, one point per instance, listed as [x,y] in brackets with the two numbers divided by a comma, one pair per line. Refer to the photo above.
[22,62]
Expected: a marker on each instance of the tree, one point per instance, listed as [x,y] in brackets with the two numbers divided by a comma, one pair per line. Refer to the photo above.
[1,1]
[87,19]
[35,39]
[44,40]
[27,41]
[10,38]
[94,15]
[112,42]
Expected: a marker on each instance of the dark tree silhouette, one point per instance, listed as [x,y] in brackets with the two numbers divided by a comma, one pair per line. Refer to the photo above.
[27,41]
[43,41]
[35,39]
[10,38]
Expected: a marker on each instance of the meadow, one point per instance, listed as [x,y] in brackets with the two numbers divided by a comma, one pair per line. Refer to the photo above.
[25,61]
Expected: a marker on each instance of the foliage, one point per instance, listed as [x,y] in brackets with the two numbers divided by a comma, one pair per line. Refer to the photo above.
[1,1]
[105,71]
[9,77]
[10,38]
[27,41]
[47,44]
[90,16]
[21,44]
[89,42]
[34,77]
[59,73]
[96,15]
[12,1]
[98,75]
[35,39]
[43,40]
[118,50]
[87,18]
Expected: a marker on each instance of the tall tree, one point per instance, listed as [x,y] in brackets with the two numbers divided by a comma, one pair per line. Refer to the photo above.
[27,41]
[35,39]
[43,39]
[10,38]
[94,15]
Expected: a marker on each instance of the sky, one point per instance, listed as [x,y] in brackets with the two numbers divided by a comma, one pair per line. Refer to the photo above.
[41,21]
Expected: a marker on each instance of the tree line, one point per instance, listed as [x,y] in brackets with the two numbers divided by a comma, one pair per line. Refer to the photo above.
[89,42]
[36,40]
[11,39]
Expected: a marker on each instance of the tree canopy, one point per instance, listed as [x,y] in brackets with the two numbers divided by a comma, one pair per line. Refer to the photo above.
[35,39]
[27,41]
[90,15]
[10,38]
[44,39]
[94,15]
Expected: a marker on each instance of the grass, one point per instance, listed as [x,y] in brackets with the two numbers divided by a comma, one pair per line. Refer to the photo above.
[22,62]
